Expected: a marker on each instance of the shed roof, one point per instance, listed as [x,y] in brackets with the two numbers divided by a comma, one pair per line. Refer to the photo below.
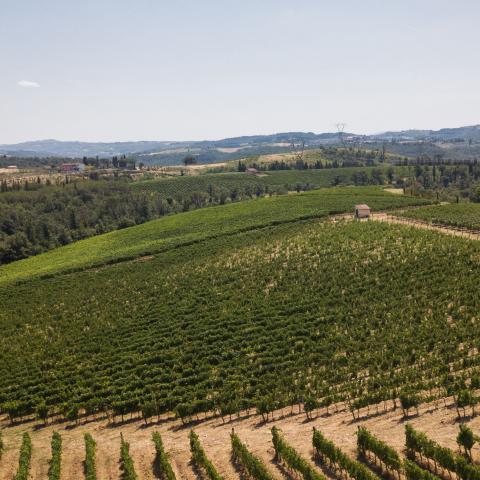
[362,206]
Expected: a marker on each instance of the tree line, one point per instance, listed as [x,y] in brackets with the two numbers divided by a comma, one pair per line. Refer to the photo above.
[38,217]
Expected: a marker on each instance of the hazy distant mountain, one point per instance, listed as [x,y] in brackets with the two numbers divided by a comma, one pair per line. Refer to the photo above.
[43,148]
[79,149]
[444,135]
[170,153]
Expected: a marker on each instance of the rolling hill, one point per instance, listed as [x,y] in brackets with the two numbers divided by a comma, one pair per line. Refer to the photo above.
[194,226]
[268,306]
[210,151]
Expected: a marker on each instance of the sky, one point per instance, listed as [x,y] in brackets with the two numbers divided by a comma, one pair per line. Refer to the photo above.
[117,70]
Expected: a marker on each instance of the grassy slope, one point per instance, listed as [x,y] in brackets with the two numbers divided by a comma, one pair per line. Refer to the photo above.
[181,229]
[457,215]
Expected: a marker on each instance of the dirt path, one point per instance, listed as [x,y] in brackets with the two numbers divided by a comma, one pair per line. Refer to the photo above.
[457,232]
[390,218]
[9,460]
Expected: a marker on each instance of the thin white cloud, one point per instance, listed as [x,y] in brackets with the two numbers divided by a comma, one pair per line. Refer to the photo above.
[28,84]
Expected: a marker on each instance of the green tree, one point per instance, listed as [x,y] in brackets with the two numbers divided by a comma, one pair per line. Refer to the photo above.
[189,160]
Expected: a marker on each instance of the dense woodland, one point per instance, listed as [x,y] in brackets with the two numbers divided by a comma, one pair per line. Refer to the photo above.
[33,221]
[452,182]
[39,218]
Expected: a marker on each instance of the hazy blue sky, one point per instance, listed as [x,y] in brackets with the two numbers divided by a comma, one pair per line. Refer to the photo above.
[106,70]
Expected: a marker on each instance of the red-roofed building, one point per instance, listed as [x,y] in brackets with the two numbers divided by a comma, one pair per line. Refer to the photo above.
[72,167]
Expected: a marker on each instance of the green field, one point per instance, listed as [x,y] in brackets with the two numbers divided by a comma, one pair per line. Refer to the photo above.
[457,215]
[331,310]
[247,316]
[176,230]
[282,178]
[37,218]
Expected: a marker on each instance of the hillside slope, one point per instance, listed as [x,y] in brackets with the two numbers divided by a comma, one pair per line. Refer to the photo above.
[78,149]
[463,215]
[264,317]
[194,226]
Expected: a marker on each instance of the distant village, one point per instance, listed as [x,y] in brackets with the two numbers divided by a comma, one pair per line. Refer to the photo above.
[70,165]
[15,176]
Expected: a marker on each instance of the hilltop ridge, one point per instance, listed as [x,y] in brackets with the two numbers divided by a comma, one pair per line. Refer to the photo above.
[227,148]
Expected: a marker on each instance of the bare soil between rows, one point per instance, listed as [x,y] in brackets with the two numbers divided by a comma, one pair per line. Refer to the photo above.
[440,423]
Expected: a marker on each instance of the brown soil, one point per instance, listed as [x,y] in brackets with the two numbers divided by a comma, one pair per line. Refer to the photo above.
[440,424]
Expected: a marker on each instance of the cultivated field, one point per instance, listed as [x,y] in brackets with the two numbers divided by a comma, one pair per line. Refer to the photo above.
[282,178]
[465,215]
[183,229]
[249,315]
[438,422]
[259,319]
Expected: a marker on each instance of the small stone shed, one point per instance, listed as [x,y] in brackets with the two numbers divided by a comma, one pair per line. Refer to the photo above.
[362,211]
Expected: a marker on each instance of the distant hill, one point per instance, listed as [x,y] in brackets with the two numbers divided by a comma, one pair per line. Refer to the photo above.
[215,150]
[209,151]
[51,148]
[444,134]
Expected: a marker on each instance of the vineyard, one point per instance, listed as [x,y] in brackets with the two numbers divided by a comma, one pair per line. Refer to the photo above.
[194,226]
[287,179]
[229,262]
[466,215]
[430,446]
[253,315]
[208,328]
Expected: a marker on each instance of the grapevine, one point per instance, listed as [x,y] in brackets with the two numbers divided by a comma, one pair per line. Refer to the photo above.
[126,461]
[253,466]
[291,458]
[419,443]
[25,457]
[368,443]
[199,456]
[329,453]
[55,461]
[161,458]
[90,467]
